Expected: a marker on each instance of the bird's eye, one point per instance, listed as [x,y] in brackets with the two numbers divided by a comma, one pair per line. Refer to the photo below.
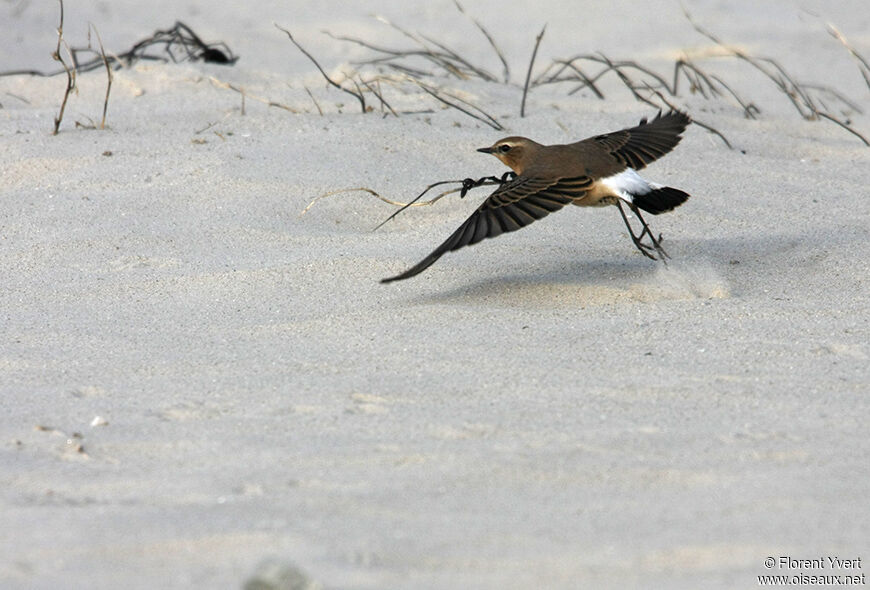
[504,148]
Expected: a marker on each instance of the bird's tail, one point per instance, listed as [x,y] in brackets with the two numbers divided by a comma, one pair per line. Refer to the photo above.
[660,200]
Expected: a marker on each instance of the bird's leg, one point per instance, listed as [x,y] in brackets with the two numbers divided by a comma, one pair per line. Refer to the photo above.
[644,249]
[657,242]
[638,240]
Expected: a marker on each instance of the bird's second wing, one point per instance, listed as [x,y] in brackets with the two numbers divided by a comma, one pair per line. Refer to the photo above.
[638,146]
[512,206]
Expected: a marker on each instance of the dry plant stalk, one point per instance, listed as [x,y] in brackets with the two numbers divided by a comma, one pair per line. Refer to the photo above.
[863,66]
[380,97]
[487,118]
[375,194]
[529,71]
[505,68]
[314,100]
[108,74]
[70,73]
[467,185]
[452,63]
[844,125]
[356,94]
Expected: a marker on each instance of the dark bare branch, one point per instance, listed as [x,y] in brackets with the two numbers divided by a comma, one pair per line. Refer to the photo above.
[529,71]
[487,118]
[356,94]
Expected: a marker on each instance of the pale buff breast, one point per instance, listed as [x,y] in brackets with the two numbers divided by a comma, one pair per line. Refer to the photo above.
[598,196]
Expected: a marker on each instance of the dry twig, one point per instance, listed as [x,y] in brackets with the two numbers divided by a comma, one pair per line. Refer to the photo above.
[506,69]
[356,94]
[314,100]
[863,66]
[108,74]
[487,118]
[467,185]
[529,71]
[844,126]
[374,193]
[179,43]
[379,95]
[70,72]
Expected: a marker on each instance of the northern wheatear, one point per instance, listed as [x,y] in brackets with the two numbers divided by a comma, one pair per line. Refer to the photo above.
[594,172]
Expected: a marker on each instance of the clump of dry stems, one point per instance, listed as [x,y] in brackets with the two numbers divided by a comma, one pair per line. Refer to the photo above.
[179,43]
[430,65]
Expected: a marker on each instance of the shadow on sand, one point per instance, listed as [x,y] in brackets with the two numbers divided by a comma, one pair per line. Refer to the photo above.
[699,269]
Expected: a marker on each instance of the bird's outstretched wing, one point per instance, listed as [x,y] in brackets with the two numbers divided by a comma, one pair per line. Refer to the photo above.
[513,205]
[638,146]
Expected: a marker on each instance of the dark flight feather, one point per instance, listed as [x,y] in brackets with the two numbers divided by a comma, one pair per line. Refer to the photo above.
[509,208]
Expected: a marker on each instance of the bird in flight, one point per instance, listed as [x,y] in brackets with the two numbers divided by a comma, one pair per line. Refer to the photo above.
[598,171]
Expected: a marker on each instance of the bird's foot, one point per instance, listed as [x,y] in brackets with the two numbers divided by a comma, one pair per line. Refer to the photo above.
[470,183]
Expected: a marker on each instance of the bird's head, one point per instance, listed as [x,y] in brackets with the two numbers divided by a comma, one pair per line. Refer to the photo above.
[515,152]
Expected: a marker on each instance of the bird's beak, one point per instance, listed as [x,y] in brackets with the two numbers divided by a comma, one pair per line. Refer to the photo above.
[486,150]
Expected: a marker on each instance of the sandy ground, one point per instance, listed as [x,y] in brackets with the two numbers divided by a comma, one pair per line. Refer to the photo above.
[196,379]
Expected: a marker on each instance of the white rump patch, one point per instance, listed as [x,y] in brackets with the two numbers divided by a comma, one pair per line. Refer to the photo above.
[629,183]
